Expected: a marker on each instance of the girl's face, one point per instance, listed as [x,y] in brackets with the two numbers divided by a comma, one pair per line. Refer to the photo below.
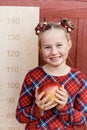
[54,47]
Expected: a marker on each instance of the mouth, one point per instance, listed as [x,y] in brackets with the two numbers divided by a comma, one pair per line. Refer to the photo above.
[55,59]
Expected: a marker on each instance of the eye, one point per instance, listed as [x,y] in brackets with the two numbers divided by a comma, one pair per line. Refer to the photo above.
[46,47]
[59,44]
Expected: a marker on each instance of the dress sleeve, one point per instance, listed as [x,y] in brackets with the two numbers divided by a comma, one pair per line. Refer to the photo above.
[26,109]
[76,113]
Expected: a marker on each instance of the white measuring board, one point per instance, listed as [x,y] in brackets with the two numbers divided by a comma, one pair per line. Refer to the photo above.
[18,54]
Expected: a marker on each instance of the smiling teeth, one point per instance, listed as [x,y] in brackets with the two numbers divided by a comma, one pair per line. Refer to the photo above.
[55,58]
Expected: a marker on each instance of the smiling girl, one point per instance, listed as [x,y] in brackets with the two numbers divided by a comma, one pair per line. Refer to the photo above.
[71,103]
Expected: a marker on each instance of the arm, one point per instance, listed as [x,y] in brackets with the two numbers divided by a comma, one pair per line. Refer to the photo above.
[26,110]
[76,113]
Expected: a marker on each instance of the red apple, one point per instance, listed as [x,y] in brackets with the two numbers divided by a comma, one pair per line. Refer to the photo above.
[49,88]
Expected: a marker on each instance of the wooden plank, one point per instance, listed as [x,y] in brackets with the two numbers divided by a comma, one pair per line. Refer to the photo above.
[47,4]
[82,46]
[70,13]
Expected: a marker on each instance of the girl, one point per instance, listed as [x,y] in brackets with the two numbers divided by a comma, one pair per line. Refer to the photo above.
[71,103]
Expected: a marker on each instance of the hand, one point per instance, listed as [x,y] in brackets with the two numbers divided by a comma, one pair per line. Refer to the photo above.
[42,101]
[62,97]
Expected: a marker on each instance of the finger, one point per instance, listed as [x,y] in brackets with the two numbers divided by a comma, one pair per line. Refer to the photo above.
[44,100]
[63,86]
[60,97]
[49,105]
[61,102]
[62,91]
[36,92]
[41,95]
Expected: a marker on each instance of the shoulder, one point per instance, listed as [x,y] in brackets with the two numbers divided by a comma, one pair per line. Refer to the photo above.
[35,73]
[34,76]
[77,74]
[35,70]
[77,80]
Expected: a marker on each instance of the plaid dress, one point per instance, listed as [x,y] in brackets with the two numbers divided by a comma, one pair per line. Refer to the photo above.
[74,113]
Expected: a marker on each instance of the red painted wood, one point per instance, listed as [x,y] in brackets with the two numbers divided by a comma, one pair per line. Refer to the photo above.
[81,62]
[72,58]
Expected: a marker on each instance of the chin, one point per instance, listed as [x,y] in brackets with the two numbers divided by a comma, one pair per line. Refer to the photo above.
[55,64]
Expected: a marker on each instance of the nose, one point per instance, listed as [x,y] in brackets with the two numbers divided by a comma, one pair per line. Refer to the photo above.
[54,51]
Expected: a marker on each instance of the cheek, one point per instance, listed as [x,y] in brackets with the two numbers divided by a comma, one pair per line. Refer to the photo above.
[65,52]
[46,54]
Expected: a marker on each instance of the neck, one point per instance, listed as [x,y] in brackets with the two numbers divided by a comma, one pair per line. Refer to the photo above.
[57,70]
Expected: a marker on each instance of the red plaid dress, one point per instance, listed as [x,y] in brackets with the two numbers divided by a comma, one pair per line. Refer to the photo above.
[73,114]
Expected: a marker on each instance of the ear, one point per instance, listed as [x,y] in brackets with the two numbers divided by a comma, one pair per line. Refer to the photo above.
[69,44]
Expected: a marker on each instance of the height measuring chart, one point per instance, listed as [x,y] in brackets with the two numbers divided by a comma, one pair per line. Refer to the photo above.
[18,54]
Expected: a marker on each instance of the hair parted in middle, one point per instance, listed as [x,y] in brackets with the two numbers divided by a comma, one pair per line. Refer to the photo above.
[43,26]
[64,24]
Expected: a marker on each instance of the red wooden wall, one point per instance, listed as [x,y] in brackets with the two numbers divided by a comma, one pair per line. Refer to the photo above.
[53,10]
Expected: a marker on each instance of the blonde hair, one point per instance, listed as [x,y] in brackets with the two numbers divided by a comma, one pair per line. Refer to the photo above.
[64,25]
[53,25]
